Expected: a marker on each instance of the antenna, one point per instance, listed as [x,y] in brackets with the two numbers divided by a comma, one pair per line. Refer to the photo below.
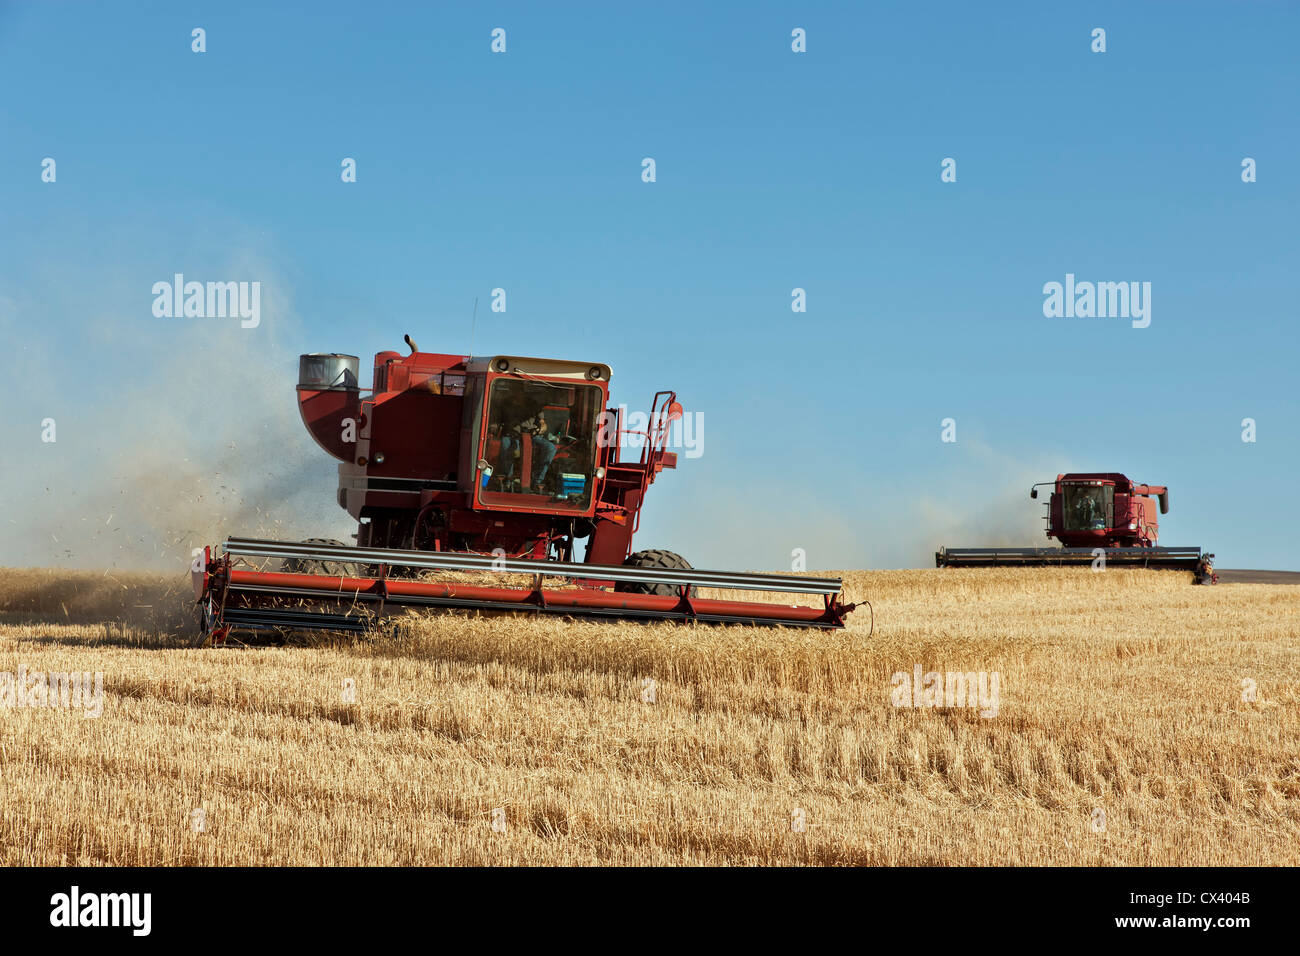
[472,322]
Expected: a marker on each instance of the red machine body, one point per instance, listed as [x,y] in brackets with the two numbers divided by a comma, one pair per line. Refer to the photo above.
[1101,519]
[433,459]
[484,466]
[1104,510]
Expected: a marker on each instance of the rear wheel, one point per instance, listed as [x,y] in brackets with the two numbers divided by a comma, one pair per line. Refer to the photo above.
[658,560]
[312,566]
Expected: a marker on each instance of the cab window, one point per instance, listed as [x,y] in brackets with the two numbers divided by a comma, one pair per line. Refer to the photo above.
[540,443]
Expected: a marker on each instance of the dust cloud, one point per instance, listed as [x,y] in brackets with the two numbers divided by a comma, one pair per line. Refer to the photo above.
[201,440]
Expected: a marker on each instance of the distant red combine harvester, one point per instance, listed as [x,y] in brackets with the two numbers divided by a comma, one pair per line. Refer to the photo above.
[1097,516]
[498,464]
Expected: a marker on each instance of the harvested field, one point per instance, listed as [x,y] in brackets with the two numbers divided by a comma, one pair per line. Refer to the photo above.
[1119,692]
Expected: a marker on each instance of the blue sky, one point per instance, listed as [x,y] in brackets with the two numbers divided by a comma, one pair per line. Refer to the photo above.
[775,170]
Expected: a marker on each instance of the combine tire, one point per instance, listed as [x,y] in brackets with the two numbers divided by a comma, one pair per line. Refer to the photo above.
[663,560]
[310,566]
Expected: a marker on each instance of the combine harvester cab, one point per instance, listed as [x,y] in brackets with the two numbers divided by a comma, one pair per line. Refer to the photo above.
[478,467]
[1097,517]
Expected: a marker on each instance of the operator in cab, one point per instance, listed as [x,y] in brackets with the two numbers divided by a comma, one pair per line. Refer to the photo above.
[522,420]
[1088,510]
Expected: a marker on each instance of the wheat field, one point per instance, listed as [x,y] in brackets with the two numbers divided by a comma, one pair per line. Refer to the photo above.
[1124,732]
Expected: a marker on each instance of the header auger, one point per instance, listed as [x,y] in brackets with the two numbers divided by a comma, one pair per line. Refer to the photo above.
[1097,516]
[481,466]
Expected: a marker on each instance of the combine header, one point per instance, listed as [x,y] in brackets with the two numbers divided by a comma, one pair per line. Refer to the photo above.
[1101,516]
[482,467]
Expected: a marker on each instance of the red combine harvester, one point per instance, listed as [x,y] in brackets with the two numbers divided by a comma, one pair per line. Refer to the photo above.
[1095,515]
[499,464]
